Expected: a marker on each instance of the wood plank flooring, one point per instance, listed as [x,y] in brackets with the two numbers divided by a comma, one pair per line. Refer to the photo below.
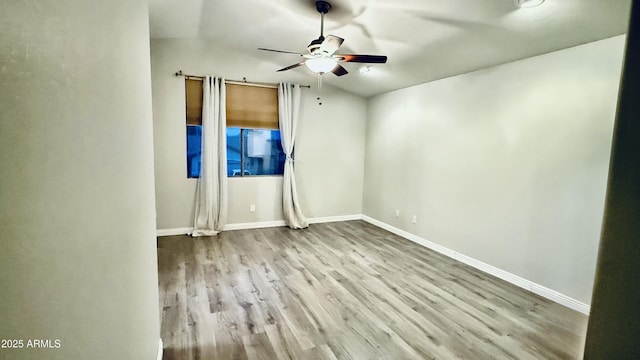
[346,290]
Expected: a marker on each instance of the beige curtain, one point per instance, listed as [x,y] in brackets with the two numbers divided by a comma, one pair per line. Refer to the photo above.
[211,193]
[288,111]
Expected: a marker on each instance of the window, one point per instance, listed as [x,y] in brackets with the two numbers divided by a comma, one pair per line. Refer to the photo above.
[254,152]
[253,138]
[193,96]
[194,150]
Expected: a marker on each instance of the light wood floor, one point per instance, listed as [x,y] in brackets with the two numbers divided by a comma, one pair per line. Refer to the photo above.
[346,290]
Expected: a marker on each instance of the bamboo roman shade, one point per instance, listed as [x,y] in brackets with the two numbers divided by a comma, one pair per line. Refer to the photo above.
[193,94]
[248,107]
[252,107]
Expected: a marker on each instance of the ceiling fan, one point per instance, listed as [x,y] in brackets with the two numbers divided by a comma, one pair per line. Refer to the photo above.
[322,58]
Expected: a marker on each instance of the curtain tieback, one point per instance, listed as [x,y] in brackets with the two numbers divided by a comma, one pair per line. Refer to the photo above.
[289,158]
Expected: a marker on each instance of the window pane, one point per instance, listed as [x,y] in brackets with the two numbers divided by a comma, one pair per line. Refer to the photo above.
[263,152]
[234,152]
[194,150]
[254,152]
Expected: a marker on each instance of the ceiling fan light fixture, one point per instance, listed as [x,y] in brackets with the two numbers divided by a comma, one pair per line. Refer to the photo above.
[321,65]
[528,3]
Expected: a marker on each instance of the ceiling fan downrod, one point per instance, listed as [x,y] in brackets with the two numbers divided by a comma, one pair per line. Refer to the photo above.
[323,7]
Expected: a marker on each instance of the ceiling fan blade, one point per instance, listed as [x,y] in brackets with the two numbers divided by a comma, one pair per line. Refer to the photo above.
[291,67]
[339,70]
[374,59]
[331,44]
[280,51]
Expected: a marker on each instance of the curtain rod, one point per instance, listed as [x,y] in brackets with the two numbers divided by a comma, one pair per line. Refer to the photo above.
[237,82]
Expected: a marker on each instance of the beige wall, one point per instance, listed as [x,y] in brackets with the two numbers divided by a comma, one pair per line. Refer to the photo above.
[507,165]
[329,144]
[78,258]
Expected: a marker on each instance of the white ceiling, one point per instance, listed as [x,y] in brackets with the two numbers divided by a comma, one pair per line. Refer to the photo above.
[424,40]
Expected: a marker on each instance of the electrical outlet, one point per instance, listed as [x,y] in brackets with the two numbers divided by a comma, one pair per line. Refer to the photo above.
[397,213]
[414,219]
[252,208]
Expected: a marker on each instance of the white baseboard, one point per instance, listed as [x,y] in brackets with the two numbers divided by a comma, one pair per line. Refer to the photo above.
[160,350]
[276,223]
[327,219]
[171,232]
[254,225]
[489,269]
[261,224]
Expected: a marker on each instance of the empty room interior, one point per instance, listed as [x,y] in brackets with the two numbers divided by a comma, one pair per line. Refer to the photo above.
[301,179]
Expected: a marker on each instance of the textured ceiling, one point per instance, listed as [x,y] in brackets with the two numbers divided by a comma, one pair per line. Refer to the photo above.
[425,40]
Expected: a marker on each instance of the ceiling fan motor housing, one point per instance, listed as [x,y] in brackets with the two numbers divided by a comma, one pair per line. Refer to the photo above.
[315,45]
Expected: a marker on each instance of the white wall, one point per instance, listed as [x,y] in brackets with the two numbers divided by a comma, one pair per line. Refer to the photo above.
[507,165]
[329,144]
[78,259]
